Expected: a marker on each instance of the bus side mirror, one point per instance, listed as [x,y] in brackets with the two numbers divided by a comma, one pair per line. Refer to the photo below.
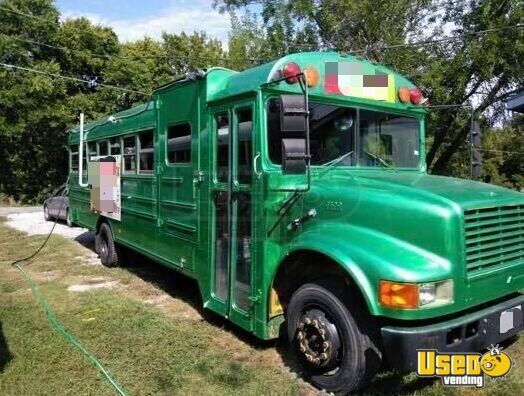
[293,114]
[294,156]
[293,118]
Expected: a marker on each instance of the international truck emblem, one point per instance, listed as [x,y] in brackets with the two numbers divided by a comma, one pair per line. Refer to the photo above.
[334,206]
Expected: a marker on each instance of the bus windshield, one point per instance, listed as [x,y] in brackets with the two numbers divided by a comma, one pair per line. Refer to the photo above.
[380,140]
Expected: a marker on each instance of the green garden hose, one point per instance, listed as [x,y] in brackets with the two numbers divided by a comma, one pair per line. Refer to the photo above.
[58,326]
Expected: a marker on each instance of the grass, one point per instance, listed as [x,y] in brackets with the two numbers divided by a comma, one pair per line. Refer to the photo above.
[149,333]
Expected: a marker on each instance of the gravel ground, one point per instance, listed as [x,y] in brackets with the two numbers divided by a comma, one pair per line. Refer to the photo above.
[31,220]
[6,210]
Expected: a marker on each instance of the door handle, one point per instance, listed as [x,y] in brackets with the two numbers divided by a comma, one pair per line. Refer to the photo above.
[255,170]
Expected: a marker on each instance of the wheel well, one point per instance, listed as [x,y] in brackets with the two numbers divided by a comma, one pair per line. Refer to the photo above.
[101,220]
[308,266]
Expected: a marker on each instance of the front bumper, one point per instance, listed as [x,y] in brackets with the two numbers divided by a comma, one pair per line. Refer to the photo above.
[471,332]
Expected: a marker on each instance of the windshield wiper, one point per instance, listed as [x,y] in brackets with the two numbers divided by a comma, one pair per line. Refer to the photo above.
[380,160]
[330,164]
[337,160]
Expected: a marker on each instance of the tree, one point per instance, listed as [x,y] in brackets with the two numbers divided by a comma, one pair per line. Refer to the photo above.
[480,70]
[187,52]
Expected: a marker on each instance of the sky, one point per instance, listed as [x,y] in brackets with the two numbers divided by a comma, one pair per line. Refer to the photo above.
[134,19]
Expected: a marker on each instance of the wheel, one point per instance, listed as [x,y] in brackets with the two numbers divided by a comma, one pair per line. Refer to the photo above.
[106,244]
[333,344]
[47,217]
[69,220]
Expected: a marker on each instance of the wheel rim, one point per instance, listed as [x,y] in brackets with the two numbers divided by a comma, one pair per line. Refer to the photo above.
[103,247]
[318,340]
[46,212]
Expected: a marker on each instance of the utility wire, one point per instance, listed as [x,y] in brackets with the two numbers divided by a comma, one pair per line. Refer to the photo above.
[27,69]
[501,151]
[357,51]
[400,45]
[10,9]
[127,57]
[426,42]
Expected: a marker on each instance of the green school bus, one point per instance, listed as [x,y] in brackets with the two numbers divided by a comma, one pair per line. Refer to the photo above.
[296,194]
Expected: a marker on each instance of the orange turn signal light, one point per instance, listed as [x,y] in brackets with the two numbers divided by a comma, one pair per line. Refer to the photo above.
[404,94]
[398,295]
[311,76]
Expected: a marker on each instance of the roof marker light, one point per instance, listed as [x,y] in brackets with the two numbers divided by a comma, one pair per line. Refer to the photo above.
[415,96]
[311,76]
[290,71]
[404,94]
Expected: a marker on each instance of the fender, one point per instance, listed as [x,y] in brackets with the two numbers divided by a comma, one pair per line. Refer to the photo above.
[369,256]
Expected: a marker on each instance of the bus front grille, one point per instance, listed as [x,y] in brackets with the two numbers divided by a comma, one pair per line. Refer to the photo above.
[494,236]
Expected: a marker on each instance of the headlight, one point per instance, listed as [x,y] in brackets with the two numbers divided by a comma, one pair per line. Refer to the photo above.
[415,295]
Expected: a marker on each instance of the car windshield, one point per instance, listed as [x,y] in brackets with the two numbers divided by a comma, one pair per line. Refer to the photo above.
[381,139]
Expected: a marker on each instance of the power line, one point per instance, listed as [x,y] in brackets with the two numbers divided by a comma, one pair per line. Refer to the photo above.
[450,38]
[27,69]
[26,15]
[426,42]
[357,51]
[501,151]
[108,56]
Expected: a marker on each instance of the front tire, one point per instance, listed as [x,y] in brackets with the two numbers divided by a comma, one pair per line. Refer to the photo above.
[106,245]
[333,344]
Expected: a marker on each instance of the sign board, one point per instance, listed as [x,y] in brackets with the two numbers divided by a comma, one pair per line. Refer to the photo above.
[103,176]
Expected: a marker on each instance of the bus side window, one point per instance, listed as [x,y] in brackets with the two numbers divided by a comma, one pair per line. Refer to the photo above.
[114,146]
[74,158]
[91,147]
[179,143]
[146,154]
[222,153]
[103,147]
[245,133]
[129,154]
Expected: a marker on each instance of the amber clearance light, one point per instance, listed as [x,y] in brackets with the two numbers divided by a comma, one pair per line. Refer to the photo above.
[311,76]
[398,295]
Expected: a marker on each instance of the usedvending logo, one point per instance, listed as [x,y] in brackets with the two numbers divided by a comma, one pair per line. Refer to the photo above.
[463,369]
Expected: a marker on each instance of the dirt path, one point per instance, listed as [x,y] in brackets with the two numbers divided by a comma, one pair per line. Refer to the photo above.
[31,220]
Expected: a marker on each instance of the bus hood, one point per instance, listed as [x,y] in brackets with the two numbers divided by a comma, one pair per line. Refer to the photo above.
[462,192]
[423,210]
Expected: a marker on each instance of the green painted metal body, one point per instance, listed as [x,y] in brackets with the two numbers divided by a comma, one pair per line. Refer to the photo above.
[376,223]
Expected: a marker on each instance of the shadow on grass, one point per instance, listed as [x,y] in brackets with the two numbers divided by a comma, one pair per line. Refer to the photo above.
[186,289]
[87,240]
[5,354]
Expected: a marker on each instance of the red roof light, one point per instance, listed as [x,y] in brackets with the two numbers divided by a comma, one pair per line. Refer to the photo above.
[415,96]
[290,71]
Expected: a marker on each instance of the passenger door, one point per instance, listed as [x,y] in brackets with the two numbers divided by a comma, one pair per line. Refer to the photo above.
[232,215]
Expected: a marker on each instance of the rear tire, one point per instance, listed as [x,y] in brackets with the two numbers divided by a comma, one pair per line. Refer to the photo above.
[47,217]
[106,245]
[69,221]
[334,345]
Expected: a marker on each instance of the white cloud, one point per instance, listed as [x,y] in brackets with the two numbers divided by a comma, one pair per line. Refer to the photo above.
[174,19]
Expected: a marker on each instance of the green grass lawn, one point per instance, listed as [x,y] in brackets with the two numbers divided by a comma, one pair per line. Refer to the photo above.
[148,331]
